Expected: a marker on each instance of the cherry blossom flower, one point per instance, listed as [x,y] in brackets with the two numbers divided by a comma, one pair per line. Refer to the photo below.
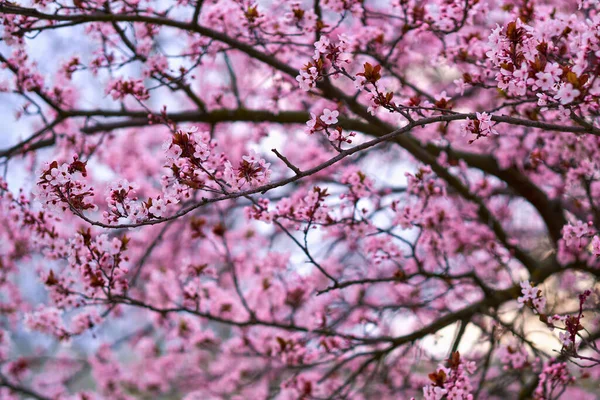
[158,208]
[329,117]
[567,93]
[532,297]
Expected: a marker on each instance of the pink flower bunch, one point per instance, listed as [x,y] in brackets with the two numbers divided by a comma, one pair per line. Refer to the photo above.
[61,188]
[532,297]
[451,382]
[119,89]
[253,171]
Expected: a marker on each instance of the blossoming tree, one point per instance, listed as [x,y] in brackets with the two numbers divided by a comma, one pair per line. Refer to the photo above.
[341,199]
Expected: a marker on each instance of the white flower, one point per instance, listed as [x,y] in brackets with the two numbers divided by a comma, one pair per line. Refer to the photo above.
[158,208]
[59,176]
[566,93]
[322,44]
[201,151]
[310,124]
[329,117]
[565,339]
[252,157]
[173,152]
[114,247]
[544,80]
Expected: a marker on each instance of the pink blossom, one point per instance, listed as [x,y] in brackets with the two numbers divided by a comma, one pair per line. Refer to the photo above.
[158,208]
[567,93]
[329,117]
[322,45]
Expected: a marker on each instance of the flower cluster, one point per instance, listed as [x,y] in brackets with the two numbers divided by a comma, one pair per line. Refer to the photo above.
[480,127]
[98,266]
[577,236]
[122,202]
[532,297]
[451,382]
[253,171]
[360,184]
[27,78]
[573,325]
[575,239]
[193,163]
[320,123]
[380,250]
[47,320]
[304,19]
[552,380]
[513,357]
[326,123]
[525,55]
[60,187]
[327,56]
[424,183]
[291,212]
[121,88]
